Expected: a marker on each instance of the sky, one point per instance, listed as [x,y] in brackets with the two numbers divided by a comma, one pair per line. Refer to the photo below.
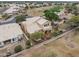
[39,0]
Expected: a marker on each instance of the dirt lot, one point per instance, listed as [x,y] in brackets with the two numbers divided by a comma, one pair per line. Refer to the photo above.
[37,11]
[67,46]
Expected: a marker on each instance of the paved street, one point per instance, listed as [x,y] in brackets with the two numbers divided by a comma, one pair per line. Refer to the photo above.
[10,20]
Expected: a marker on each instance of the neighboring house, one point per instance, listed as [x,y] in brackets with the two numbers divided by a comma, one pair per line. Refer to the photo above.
[27,3]
[45,4]
[36,24]
[10,33]
[12,10]
[33,4]
[64,15]
[21,5]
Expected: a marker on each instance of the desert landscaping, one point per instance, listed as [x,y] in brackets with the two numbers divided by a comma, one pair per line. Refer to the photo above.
[65,46]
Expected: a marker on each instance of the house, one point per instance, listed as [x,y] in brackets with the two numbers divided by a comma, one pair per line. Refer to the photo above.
[21,5]
[10,33]
[45,4]
[44,24]
[36,24]
[12,10]
[27,3]
[64,15]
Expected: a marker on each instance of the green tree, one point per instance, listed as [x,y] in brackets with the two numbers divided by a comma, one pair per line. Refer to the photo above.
[18,48]
[51,15]
[68,7]
[74,9]
[74,21]
[20,18]
[28,44]
[56,8]
[6,16]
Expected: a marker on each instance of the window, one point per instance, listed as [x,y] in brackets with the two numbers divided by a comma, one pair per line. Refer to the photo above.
[16,39]
[19,37]
[13,39]
[46,25]
[7,41]
[0,43]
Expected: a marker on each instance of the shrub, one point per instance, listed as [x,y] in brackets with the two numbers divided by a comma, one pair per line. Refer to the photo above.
[20,18]
[18,48]
[28,44]
[37,35]
[74,21]
[6,16]
[51,15]
[56,33]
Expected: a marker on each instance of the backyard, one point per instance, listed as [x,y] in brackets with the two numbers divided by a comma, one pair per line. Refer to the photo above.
[65,46]
[37,11]
[68,45]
